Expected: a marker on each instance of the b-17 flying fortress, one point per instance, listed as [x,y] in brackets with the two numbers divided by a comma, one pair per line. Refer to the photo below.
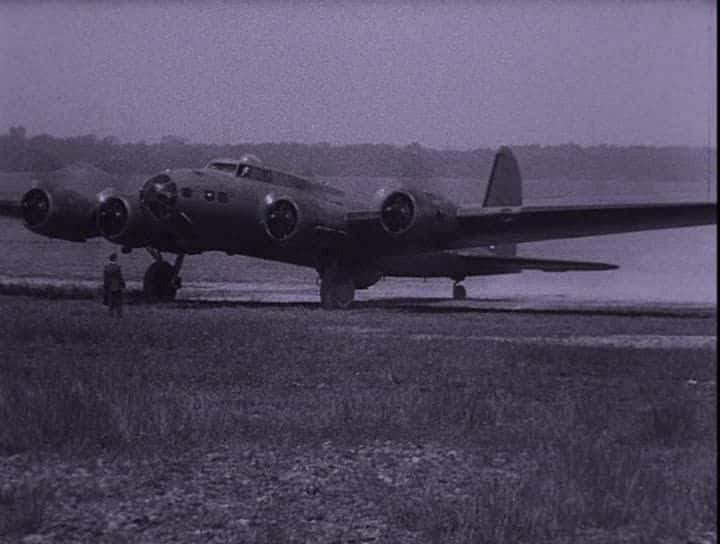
[242,207]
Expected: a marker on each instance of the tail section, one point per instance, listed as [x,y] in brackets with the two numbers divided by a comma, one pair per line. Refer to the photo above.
[505,185]
[504,190]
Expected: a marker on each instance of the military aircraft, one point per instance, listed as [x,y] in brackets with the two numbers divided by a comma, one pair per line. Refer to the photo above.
[243,207]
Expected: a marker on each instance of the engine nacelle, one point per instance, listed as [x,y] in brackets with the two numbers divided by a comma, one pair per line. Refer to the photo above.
[291,220]
[59,213]
[414,215]
[122,220]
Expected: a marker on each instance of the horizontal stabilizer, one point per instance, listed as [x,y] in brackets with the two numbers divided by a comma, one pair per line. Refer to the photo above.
[457,265]
[527,263]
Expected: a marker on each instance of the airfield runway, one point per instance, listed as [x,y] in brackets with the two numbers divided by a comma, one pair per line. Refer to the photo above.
[604,323]
[410,295]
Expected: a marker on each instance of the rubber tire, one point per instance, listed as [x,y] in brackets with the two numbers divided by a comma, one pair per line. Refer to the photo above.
[459,292]
[158,284]
[337,290]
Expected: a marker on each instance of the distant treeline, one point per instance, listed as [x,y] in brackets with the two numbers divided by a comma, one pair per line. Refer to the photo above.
[18,152]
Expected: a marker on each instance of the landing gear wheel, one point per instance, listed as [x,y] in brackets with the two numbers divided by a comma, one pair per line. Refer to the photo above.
[337,289]
[160,282]
[459,292]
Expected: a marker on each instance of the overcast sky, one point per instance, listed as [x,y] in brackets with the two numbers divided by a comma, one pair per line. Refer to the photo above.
[446,75]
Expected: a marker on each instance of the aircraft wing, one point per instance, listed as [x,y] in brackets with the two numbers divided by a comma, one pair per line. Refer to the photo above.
[10,208]
[486,226]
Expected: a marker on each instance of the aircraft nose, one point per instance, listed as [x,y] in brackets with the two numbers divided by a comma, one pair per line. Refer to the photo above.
[159,196]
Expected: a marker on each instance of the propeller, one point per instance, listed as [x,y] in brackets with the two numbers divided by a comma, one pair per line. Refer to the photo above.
[35,206]
[397,212]
[112,217]
[281,218]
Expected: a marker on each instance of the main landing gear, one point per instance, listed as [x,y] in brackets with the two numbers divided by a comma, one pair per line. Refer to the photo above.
[162,280]
[337,288]
[459,292]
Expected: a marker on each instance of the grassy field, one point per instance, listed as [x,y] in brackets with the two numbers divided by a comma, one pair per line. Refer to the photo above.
[591,444]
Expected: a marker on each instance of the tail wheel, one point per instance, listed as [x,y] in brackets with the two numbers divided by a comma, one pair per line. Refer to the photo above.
[160,282]
[337,289]
[459,292]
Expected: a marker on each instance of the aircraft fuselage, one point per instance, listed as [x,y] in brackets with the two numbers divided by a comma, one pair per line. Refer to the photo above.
[212,210]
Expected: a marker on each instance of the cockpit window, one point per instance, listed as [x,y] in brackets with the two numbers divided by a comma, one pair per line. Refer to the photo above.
[255,172]
[223,167]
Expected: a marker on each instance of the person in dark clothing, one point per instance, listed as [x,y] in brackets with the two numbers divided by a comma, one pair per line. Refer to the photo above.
[113,285]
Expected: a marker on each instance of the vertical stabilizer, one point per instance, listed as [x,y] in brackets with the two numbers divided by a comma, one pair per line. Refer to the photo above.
[505,185]
[504,189]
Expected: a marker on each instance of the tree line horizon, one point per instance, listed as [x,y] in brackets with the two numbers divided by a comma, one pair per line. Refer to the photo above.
[22,153]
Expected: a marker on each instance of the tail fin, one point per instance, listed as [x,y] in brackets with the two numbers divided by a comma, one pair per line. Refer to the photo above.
[505,185]
[504,189]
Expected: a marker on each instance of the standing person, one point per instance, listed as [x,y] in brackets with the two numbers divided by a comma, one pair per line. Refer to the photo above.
[113,285]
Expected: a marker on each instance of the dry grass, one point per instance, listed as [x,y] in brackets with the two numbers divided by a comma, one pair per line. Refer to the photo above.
[22,507]
[608,437]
